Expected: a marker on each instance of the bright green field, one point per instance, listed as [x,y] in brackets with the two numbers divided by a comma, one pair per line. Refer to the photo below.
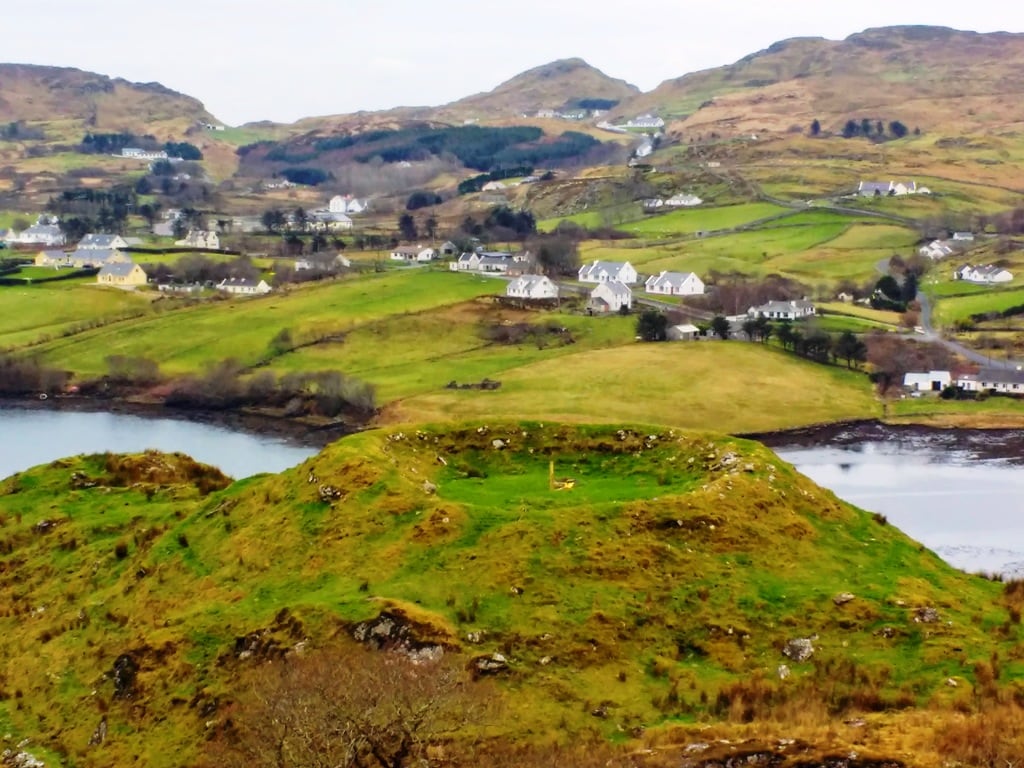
[186,339]
[48,309]
[950,310]
[694,220]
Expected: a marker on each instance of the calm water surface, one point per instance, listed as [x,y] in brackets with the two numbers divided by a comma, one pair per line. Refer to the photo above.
[960,493]
[31,437]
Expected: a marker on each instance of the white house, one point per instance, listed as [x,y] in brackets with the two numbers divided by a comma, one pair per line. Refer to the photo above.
[653,204]
[936,249]
[347,204]
[97,257]
[646,121]
[681,200]
[143,154]
[683,332]
[122,274]
[493,186]
[103,242]
[1008,381]
[467,262]
[532,287]
[893,188]
[645,149]
[988,273]
[610,296]
[966,237]
[928,381]
[243,286]
[675,284]
[409,253]
[200,238]
[783,310]
[47,235]
[605,271]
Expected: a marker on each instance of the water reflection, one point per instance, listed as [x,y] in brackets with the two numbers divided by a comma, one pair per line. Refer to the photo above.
[947,496]
[31,437]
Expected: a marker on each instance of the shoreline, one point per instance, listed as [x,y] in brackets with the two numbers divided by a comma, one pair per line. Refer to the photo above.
[300,433]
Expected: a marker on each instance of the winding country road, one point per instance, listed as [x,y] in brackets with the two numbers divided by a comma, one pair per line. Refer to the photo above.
[930,334]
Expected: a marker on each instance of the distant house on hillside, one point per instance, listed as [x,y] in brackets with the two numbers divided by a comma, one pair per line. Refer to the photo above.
[532,287]
[200,238]
[783,310]
[646,121]
[605,271]
[681,200]
[46,235]
[675,284]
[610,296]
[122,274]
[936,249]
[890,188]
[144,154]
[447,248]
[102,242]
[988,273]
[243,286]
[347,204]
[413,253]
[965,237]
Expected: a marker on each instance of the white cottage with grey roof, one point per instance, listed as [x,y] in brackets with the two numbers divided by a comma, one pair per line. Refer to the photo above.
[532,287]
[610,296]
[607,271]
[104,242]
[675,284]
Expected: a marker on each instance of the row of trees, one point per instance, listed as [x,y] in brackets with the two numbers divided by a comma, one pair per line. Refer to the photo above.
[868,128]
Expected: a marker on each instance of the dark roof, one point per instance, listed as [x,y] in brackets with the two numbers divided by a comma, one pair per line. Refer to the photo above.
[1001,376]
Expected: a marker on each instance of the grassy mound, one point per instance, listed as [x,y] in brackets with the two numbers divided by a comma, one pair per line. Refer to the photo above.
[629,577]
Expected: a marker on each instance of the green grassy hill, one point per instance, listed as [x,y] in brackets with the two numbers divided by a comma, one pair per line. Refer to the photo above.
[660,590]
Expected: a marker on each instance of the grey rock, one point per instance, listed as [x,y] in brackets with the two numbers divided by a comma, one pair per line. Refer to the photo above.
[843,598]
[798,649]
[927,615]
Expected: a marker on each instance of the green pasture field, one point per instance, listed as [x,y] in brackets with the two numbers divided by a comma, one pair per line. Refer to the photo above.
[185,340]
[948,289]
[693,220]
[879,316]
[414,354]
[46,310]
[840,323]
[735,386]
[610,216]
[948,311]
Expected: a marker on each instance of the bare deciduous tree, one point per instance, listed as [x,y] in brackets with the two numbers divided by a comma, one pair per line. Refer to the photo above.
[347,708]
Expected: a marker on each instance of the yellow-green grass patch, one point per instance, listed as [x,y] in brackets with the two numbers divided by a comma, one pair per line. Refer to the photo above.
[695,220]
[724,386]
[950,310]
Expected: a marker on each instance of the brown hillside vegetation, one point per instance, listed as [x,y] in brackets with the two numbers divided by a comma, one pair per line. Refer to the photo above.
[905,73]
[36,93]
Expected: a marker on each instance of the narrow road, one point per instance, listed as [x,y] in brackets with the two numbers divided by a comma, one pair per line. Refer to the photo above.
[930,334]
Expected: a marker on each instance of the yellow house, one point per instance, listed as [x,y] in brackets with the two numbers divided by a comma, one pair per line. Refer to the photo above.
[122,275]
[52,259]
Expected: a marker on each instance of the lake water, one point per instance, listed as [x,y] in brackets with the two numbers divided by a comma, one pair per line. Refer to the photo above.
[958,492]
[36,436]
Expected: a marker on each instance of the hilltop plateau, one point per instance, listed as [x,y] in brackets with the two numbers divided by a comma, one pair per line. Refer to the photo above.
[608,581]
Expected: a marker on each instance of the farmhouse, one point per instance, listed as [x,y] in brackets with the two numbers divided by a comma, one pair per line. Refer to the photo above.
[96,257]
[330,220]
[683,201]
[783,310]
[610,296]
[675,284]
[983,274]
[447,248]
[200,238]
[244,286]
[1008,381]
[532,287]
[347,204]
[144,154]
[47,235]
[646,121]
[966,237]
[605,271]
[103,242]
[928,381]
[936,249]
[52,258]
[410,253]
[890,188]
[121,274]
[467,262]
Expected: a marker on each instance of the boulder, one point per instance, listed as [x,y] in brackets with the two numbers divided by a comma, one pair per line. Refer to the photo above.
[124,672]
[843,598]
[927,615]
[798,649]
[489,665]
